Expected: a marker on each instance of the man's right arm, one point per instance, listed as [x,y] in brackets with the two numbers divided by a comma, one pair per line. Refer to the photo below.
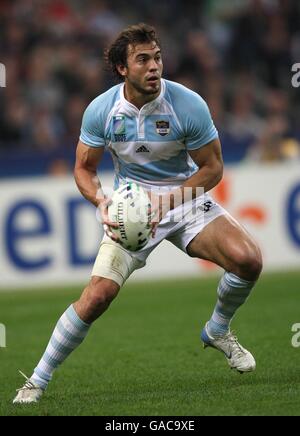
[85,172]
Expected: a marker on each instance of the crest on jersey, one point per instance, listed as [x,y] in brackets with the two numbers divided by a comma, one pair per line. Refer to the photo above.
[162,127]
[119,129]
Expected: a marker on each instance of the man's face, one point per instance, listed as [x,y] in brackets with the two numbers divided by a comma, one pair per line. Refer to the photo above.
[144,68]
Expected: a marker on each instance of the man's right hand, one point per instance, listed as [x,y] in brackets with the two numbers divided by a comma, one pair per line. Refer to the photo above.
[108,225]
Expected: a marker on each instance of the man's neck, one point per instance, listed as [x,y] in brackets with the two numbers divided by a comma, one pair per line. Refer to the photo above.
[137,98]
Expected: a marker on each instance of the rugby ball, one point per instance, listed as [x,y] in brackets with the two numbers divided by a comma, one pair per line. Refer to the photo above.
[131,210]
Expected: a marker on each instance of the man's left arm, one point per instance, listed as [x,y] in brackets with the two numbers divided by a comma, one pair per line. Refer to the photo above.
[209,160]
[210,163]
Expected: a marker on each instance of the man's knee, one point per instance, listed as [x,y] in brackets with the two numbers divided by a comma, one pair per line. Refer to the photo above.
[96,298]
[248,262]
[102,291]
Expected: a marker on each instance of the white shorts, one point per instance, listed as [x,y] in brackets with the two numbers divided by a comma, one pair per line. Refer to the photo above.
[179,227]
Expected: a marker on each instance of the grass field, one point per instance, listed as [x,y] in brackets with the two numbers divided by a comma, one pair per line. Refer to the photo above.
[144,356]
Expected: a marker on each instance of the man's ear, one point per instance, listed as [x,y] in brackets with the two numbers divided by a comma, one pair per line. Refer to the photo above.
[122,70]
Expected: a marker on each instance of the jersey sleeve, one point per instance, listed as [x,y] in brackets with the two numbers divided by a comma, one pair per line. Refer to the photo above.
[199,126]
[92,128]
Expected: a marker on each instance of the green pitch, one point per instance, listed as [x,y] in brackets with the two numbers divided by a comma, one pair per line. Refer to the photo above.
[144,356]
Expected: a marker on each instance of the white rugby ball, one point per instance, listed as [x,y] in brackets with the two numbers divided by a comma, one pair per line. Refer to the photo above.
[131,210]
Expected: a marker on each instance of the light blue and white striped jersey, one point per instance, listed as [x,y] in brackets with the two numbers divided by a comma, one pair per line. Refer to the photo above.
[150,145]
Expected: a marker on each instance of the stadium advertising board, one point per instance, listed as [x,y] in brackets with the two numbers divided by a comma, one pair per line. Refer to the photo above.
[50,234]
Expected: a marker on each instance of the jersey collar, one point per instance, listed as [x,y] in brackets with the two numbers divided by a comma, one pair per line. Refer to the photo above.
[148,108]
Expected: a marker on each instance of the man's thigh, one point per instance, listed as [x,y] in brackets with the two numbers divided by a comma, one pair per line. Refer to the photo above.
[205,212]
[115,263]
[225,242]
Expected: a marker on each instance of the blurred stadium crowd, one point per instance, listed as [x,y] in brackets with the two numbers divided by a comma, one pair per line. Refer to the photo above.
[237,54]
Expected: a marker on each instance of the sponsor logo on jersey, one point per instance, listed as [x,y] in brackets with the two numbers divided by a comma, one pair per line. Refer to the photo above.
[142,149]
[119,129]
[162,127]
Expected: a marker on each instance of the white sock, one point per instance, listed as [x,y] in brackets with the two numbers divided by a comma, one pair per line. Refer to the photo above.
[68,334]
[232,293]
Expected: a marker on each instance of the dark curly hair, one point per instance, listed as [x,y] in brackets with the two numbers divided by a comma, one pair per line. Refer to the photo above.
[117,53]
